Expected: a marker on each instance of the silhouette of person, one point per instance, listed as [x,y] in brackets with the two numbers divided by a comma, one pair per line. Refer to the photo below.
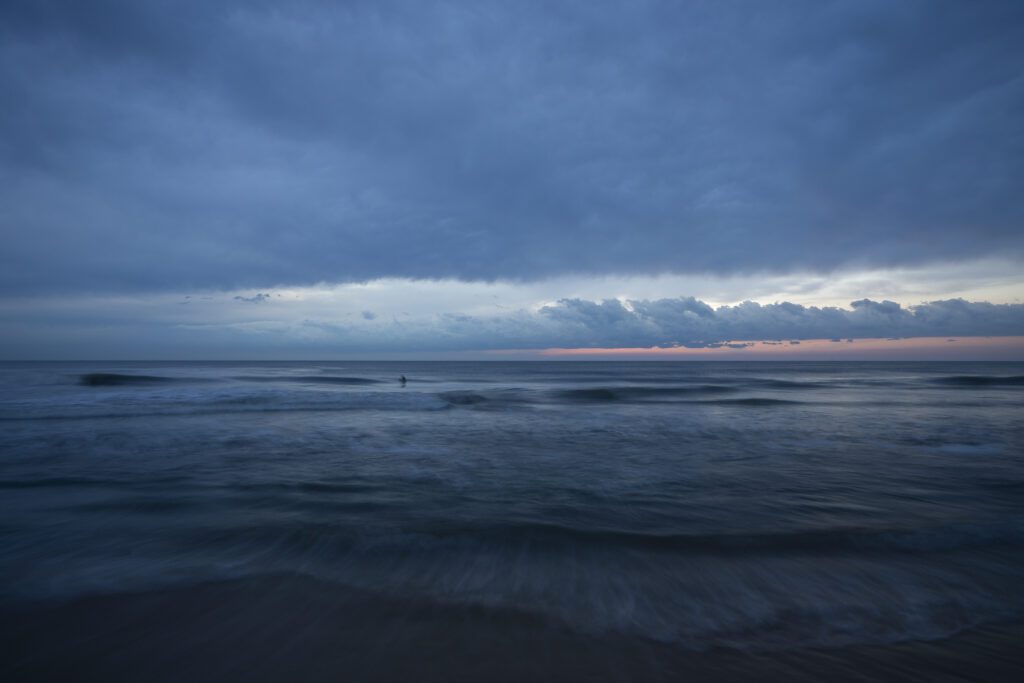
[402,380]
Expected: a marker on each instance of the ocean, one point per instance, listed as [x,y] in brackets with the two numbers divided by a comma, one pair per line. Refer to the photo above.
[511,521]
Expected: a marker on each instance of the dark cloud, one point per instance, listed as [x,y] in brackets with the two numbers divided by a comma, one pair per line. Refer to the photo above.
[689,322]
[149,144]
[97,329]
[254,299]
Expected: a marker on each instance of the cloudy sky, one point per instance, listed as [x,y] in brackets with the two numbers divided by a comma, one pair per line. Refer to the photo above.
[195,179]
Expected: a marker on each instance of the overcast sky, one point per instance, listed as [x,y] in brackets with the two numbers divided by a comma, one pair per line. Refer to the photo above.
[479,175]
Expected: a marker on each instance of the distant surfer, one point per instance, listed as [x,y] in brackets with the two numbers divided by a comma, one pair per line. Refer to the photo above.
[402,380]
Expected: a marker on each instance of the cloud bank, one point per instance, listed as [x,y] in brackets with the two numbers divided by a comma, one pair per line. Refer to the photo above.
[283,328]
[148,145]
[690,322]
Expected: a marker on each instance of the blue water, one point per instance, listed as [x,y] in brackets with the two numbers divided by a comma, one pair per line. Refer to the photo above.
[755,506]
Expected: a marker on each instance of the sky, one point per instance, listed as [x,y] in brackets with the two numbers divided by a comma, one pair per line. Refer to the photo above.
[487,179]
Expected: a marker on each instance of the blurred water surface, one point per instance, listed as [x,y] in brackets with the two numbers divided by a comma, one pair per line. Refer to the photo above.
[757,507]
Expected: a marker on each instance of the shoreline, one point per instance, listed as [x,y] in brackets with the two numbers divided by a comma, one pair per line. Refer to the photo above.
[295,628]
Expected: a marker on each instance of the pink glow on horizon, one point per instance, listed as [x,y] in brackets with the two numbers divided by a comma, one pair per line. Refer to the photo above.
[915,348]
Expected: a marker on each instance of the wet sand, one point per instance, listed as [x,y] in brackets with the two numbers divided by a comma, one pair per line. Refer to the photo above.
[288,628]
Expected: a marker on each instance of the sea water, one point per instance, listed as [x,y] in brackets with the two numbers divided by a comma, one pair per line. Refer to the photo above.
[754,507]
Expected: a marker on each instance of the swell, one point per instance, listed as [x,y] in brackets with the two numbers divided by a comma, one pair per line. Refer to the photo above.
[753,401]
[112,379]
[980,381]
[464,398]
[486,399]
[603,394]
[212,410]
[391,626]
[556,540]
[754,591]
[66,482]
[784,384]
[311,379]
[611,394]
[825,542]
[748,591]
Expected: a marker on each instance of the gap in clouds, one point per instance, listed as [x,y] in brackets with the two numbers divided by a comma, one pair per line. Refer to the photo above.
[447,317]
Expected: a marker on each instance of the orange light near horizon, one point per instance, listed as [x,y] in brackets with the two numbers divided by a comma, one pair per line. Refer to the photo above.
[910,348]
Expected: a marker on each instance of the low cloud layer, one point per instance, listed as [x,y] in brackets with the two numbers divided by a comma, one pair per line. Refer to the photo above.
[149,145]
[283,327]
[690,322]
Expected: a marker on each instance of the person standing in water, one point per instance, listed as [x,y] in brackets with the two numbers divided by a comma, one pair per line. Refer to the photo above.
[402,380]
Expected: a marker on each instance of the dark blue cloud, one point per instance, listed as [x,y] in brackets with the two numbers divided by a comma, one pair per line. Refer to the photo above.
[689,322]
[151,145]
[111,329]
[255,299]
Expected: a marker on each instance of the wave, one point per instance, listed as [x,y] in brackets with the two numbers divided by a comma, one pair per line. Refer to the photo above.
[79,482]
[754,401]
[55,482]
[687,395]
[111,379]
[787,384]
[548,540]
[145,506]
[748,591]
[463,398]
[599,394]
[311,379]
[823,542]
[756,591]
[327,402]
[980,381]
[487,399]
[300,487]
